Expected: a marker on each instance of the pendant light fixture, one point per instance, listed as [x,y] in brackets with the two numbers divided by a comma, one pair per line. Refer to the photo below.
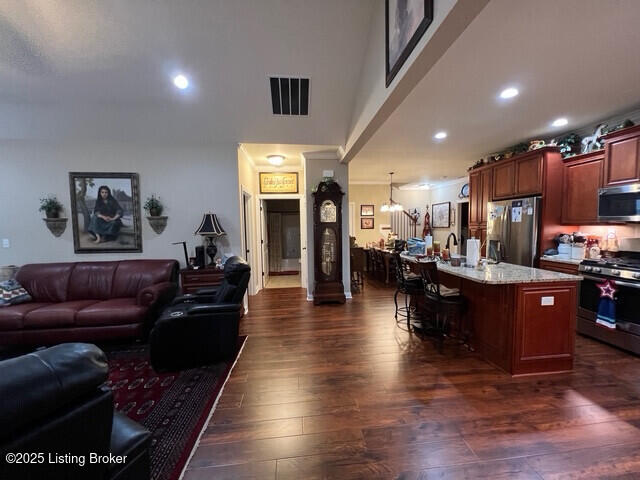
[391,206]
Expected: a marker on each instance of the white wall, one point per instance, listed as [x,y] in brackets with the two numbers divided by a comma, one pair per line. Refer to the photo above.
[189,180]
[372,90]
[313,175]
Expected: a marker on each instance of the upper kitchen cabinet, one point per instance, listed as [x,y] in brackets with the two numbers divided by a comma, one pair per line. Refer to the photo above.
[622,156]
[479,196]
[504,179]
[529,175]
[583,176]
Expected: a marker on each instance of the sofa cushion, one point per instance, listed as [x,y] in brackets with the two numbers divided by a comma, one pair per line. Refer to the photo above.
[92,281]
[133,275]
[55,315]
[117,311]
[12,318]
[12,293]
[46,282]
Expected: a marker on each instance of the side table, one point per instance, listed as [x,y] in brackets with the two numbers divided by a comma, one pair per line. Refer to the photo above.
[193,280]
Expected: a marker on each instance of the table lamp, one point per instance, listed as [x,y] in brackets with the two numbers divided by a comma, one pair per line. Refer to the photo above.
[210,228]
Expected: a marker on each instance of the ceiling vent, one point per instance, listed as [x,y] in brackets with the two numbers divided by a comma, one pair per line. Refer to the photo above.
[289,96]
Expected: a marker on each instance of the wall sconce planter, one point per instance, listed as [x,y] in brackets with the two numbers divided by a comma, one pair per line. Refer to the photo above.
[57,226]
[158,223]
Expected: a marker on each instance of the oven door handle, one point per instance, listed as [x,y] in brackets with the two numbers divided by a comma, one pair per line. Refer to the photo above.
[618,282]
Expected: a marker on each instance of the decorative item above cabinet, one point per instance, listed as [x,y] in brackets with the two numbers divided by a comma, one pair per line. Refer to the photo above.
[622,156]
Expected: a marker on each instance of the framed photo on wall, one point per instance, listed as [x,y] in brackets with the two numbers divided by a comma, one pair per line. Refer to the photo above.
[441,215]
[367,210]
[105,210]
[366,223]
[405,23]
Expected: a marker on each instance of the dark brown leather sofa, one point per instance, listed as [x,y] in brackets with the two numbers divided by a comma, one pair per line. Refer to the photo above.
[88,301]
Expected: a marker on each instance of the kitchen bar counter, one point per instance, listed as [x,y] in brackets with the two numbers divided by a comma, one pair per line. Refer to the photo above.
[502,273]
[523,319]
[555,258]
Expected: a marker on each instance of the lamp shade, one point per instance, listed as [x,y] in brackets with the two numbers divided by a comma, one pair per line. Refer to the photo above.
[210,226]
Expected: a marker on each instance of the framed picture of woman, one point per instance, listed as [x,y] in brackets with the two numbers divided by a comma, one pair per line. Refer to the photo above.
[105,210]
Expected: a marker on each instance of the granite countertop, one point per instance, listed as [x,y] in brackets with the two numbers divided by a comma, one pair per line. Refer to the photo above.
[553,258]
[502,273]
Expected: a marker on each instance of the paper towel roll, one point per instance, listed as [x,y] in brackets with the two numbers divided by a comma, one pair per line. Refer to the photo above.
[473,252]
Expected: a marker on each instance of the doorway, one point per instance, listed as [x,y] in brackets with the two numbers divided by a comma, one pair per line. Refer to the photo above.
[463,233]
[282,243]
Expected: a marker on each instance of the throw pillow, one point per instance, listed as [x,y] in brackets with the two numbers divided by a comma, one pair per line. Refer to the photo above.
[12,293]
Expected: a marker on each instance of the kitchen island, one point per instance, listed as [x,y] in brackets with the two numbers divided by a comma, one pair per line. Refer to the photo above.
[523,319]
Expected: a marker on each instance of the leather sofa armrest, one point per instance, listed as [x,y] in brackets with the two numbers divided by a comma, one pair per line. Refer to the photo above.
[160,292]
[34,385]
[193,298]
[213,308]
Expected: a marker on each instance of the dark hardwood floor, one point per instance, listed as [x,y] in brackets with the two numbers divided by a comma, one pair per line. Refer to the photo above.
[339,391]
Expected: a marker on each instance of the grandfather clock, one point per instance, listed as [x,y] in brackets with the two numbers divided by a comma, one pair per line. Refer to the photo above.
[327,237]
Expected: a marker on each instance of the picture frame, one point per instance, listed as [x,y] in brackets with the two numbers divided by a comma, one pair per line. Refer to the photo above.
[405,24]
[278,182]
[105,212]
[367,210]
[441,215]
[367,223]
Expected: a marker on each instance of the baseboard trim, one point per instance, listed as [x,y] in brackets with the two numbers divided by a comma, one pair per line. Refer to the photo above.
[347,295]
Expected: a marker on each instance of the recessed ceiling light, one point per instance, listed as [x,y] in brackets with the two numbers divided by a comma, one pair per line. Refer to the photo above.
[181,82]
[440,135]
[509,92]
[559,122]
[276,160]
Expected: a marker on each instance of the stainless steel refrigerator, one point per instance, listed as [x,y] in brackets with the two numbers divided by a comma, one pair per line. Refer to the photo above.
[512,230]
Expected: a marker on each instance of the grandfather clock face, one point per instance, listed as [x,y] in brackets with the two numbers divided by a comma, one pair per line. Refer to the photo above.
[328,212]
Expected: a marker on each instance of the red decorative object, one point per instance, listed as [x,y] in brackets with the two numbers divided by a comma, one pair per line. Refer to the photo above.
[607,289]
[426,230]
[174,406]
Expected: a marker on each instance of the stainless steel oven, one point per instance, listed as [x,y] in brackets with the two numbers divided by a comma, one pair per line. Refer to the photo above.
[619,204]
[625,275]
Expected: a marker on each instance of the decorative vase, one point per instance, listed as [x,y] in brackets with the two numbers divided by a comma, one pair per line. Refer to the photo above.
[57,226]
[52,214]
[157,222]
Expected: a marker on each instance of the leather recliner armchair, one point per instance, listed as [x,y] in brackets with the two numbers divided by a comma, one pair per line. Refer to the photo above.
[54,402]
[201,328]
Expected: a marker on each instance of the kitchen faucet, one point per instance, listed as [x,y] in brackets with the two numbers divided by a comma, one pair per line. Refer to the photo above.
[455,240]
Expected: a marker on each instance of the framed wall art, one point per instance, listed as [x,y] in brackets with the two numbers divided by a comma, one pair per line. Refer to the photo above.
[441,215]
[278,182]
[367,210]
[367,223]
[405,23]
[105,211]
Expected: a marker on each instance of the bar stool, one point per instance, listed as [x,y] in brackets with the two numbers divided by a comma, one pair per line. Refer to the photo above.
[407,283]
[444,308]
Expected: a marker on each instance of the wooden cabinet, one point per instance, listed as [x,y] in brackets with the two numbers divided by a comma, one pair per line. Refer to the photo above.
[193,280]
[561,267]
[622,156]
[479,196]
[504,180]
[583,176]
[529,175]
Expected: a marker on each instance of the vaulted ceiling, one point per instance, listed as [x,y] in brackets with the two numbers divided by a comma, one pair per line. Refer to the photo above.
[102,69]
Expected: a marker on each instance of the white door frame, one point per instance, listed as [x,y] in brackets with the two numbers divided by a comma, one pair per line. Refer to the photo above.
[247,239]
[303,231]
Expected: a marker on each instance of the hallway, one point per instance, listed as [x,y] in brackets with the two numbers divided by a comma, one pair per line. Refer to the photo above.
[341,392]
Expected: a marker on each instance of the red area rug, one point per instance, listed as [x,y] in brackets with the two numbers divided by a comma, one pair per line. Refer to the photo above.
[174,406]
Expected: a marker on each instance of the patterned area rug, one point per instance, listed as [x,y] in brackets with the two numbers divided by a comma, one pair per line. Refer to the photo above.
[174,406]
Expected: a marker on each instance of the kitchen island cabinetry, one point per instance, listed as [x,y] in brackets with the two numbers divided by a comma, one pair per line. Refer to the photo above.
[523,319]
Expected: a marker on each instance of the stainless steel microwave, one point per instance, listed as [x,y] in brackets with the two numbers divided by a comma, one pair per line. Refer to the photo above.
[619,204]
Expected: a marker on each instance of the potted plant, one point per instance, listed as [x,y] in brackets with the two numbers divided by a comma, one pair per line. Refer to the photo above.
[50,206]
[154,206]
